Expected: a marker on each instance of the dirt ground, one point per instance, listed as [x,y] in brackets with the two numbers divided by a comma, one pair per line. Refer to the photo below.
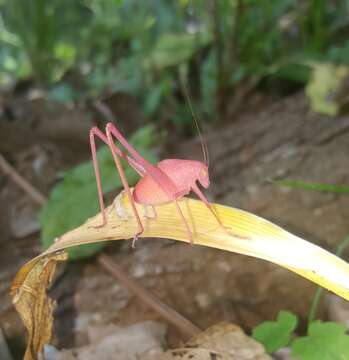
[283,140]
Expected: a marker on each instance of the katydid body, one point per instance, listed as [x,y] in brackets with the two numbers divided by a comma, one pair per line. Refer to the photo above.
[168,181]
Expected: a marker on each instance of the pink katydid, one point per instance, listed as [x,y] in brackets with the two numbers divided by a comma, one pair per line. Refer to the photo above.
[168,181]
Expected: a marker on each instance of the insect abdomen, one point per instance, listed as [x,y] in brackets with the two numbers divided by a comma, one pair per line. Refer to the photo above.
[149,192]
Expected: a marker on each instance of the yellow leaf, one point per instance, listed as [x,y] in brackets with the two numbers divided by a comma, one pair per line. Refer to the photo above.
[249,235]
[325,88]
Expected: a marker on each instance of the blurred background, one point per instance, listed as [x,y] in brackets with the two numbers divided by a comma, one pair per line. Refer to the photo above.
[269,83]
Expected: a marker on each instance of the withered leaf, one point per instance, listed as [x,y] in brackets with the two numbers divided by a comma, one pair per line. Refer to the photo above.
[29,298]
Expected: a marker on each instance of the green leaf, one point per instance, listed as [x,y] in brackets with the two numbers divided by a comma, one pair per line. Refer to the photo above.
[174,49]
[276,334]
[63,93]
[75,199]
[296,72]
[325,340]
[297,184]
[155,96]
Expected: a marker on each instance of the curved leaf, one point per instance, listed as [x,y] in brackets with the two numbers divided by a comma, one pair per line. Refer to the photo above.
[248,234]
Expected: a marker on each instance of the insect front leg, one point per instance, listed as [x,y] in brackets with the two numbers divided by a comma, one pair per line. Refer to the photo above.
[202,197]
[96,132]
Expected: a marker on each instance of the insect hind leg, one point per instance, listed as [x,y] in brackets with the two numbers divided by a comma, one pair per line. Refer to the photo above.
[115,151]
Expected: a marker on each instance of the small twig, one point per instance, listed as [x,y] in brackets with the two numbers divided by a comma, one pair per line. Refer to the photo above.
[36,195]
[172,316]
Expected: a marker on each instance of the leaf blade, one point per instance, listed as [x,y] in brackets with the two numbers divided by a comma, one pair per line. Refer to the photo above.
[251,235]
[298,184]
[276,334]
[325,340]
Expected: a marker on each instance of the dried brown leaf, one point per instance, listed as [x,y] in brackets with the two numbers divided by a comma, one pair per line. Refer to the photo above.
[29,298]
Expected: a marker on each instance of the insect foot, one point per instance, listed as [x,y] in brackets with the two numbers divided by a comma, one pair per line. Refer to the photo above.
[104,222]
[135,238]
[100,225]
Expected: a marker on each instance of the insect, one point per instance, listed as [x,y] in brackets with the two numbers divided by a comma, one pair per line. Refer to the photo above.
[167,181]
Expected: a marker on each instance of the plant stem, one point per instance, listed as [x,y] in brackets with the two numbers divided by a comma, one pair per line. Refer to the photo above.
[318,293]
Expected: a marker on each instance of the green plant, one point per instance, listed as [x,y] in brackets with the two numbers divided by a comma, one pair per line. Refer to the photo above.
[298,184]
[42,35]
[276,334]
[90,46]
[324,340]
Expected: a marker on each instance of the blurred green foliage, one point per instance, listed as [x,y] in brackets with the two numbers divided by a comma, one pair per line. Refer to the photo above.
[141,47]
[324,340]
[299,184]
[75,198]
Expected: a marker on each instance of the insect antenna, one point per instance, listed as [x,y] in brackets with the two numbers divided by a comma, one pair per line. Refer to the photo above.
[196,121]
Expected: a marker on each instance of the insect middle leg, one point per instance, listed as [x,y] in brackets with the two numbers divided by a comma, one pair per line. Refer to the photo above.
[189,232]
[153,216]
